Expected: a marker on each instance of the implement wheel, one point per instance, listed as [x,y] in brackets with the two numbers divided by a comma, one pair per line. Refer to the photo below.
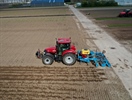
[69,59]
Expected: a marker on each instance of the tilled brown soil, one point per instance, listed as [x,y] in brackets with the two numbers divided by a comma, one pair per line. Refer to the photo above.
[59,83]
[21,37]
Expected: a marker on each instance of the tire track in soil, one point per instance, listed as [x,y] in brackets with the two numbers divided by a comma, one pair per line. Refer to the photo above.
[46,82]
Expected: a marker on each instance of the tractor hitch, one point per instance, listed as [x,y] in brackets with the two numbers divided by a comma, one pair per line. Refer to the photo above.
[39,54]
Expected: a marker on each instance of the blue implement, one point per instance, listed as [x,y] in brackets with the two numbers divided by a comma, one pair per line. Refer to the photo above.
[97,58]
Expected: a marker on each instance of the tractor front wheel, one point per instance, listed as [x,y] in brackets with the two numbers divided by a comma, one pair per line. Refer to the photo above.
[69,59]
[47,60]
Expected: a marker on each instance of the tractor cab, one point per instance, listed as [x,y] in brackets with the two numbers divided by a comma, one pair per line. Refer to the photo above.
[126,10]
[62,44]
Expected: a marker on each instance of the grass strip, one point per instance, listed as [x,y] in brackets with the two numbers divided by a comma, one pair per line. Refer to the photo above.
[114,18]
[120,25]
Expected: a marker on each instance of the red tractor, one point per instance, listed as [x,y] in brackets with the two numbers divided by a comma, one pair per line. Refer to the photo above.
[63,51]
[125,13]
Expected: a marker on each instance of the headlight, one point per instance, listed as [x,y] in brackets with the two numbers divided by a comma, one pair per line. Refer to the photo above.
[43,53]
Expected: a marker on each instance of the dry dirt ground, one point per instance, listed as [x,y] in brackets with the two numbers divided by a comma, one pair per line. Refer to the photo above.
[24,77]
[108,17]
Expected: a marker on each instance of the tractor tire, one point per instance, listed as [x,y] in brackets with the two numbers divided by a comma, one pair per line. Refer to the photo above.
[47,60]
[69,59]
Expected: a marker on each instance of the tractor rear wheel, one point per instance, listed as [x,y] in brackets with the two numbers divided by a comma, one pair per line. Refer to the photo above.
[69,59]
[47,60]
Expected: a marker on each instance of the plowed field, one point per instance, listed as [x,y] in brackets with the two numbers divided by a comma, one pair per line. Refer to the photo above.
[59,83]
[24,77]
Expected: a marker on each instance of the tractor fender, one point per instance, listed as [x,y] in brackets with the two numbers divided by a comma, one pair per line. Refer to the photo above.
[51,50]
[122,13]
[49,54]
[69,51]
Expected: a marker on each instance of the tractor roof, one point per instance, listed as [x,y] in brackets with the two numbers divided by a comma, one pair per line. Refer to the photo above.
[64,40]
[125,10]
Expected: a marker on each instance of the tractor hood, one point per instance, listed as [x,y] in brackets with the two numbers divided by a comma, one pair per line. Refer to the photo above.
[122,12]
[50,50]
